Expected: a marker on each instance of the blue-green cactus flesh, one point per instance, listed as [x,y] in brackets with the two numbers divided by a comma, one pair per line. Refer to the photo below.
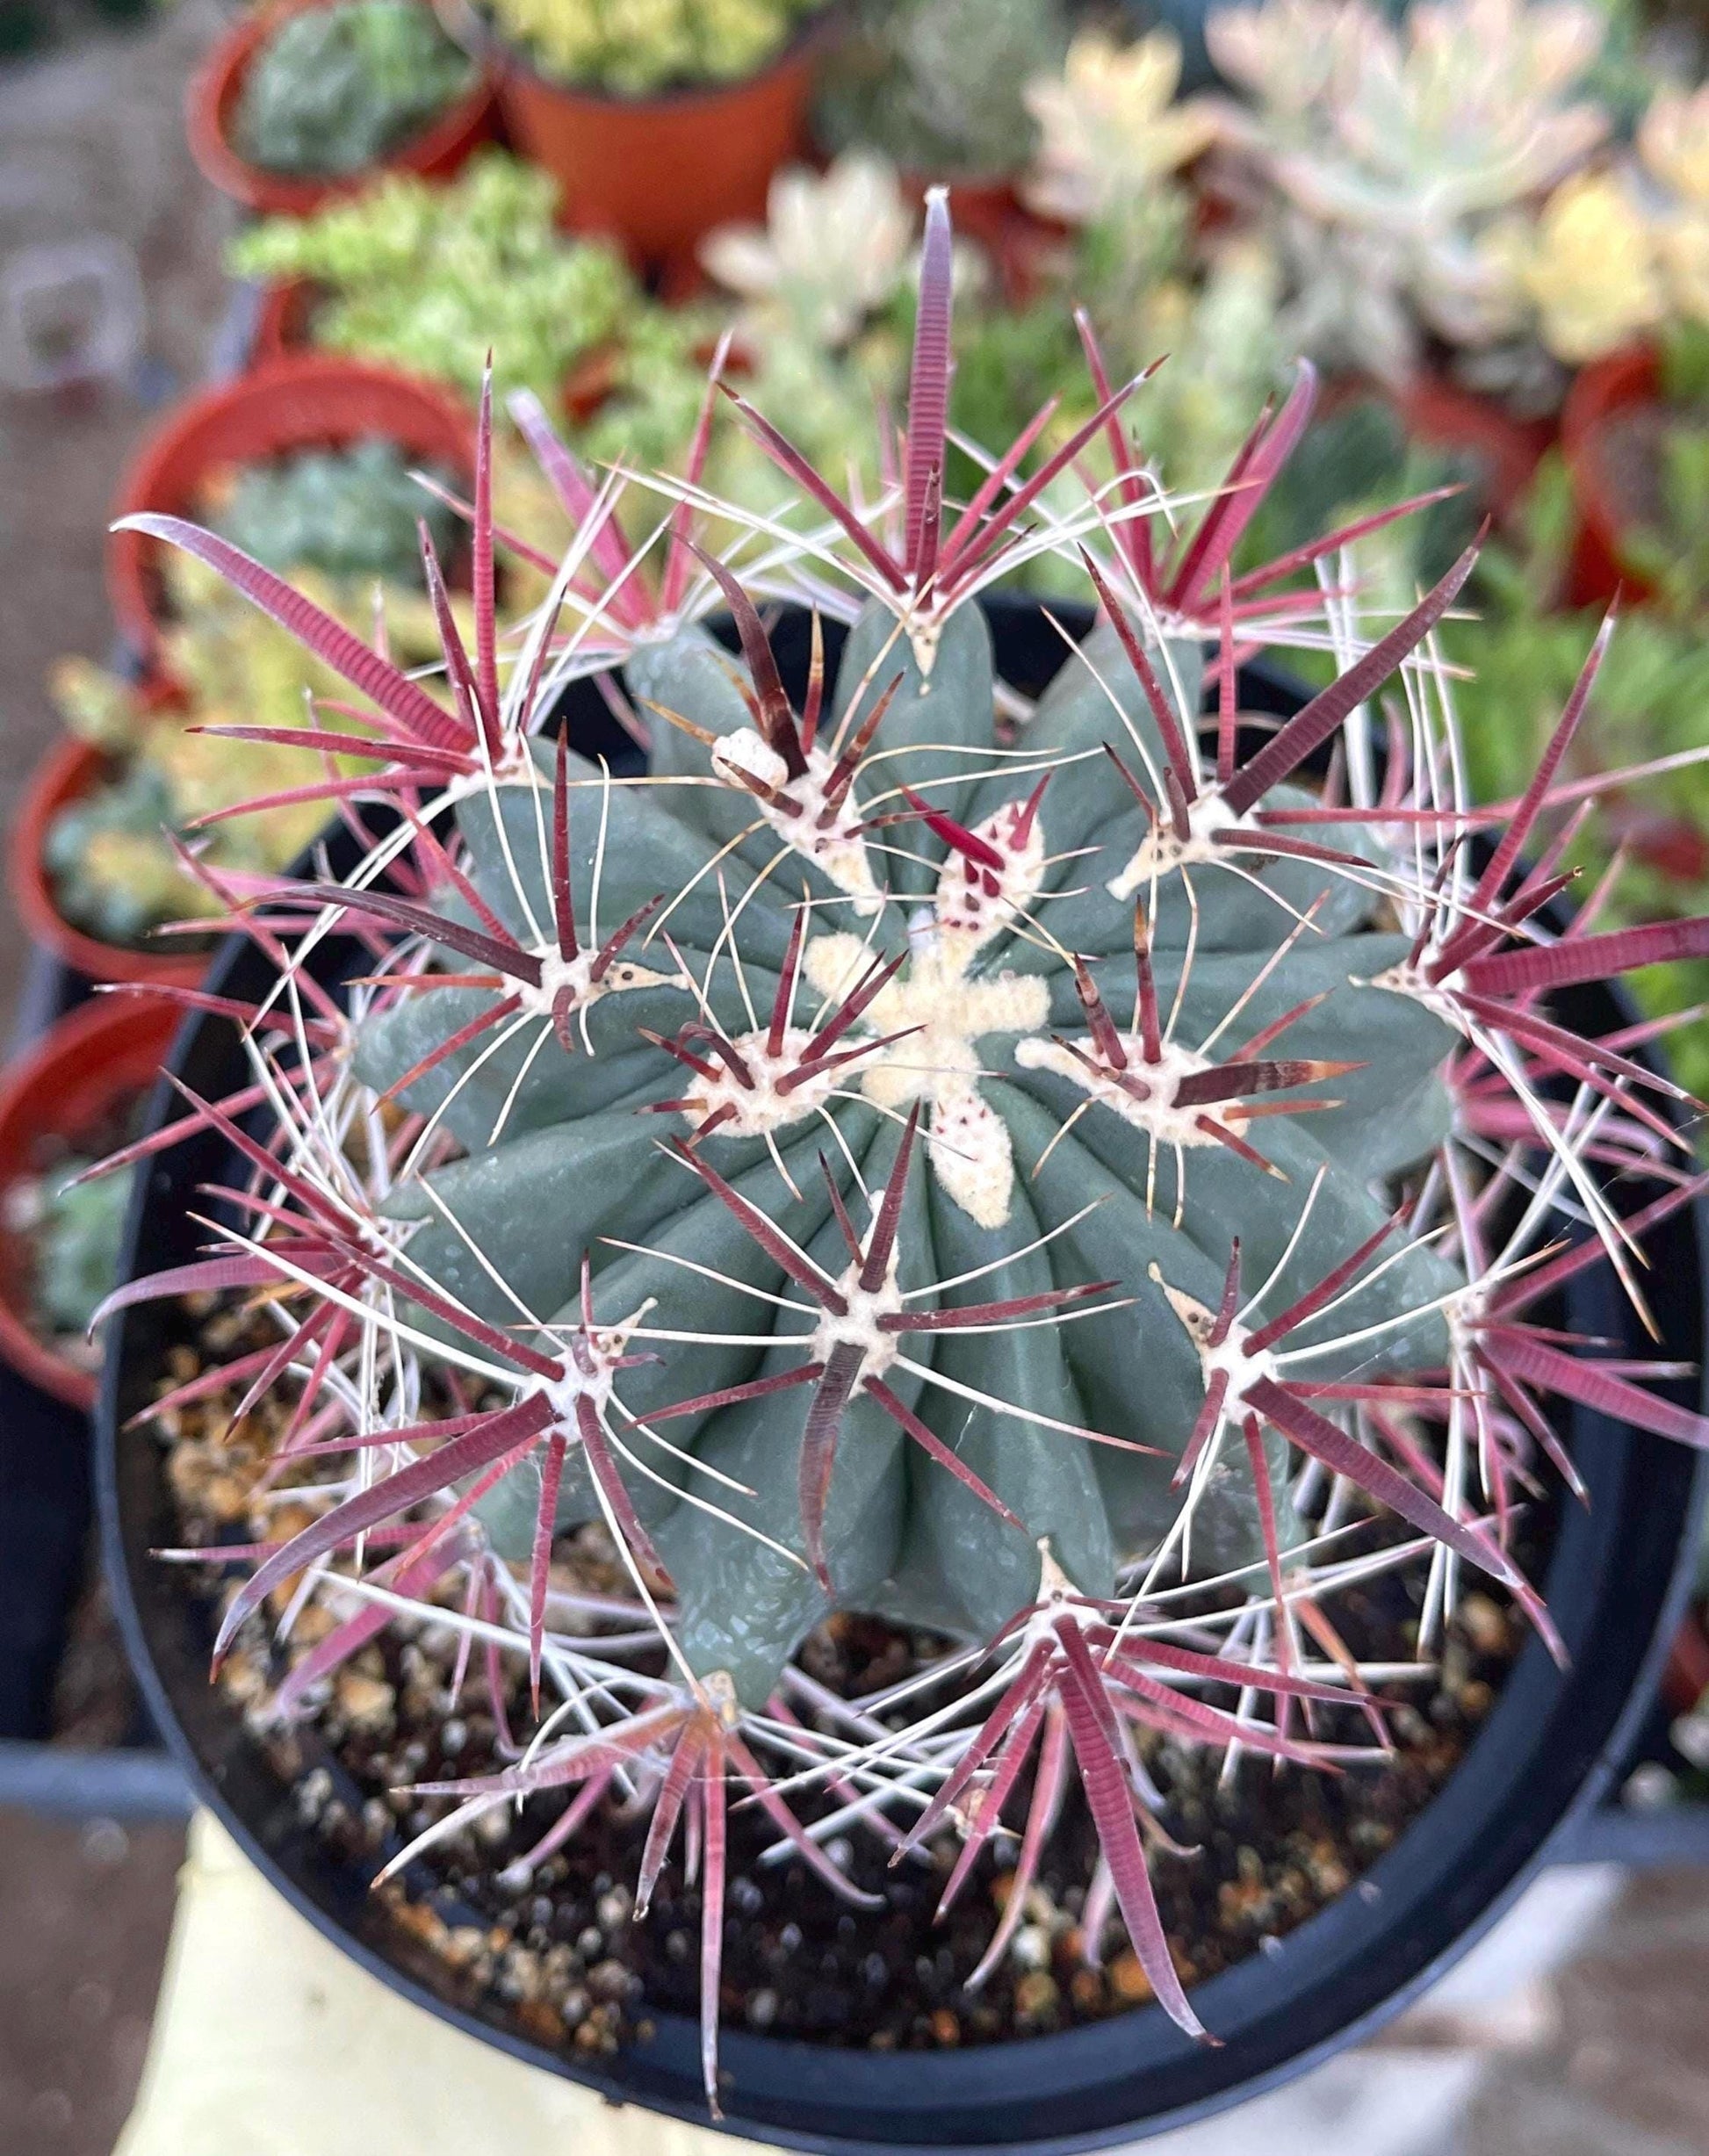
[1044,1165]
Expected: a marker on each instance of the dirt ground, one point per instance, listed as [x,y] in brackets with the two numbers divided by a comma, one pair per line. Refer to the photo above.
[1608,2061]
[84,1915]
[91,144]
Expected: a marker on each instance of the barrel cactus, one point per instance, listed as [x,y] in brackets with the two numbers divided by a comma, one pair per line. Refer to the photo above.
[916,1152]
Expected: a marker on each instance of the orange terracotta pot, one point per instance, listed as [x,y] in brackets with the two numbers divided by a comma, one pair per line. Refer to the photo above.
[67,775]
[210,107]
[65,1087]
[304,401]
[658,174]
[1596,568]
[284,321]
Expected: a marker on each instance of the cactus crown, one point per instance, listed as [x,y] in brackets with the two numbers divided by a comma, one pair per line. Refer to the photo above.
[916,1152]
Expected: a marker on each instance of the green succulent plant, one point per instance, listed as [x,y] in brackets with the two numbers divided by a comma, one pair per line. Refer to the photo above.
[335,88]
[429,278]
[939,86]
[635,48]
[351,512]
[77,1233]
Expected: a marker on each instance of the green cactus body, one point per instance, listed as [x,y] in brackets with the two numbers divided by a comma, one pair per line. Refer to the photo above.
[922,1155]
[1038,1171]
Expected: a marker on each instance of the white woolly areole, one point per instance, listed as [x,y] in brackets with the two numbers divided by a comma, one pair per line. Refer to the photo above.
[971,1151]
[1441,997]
[830,838]
[568,984]
[968,912]
[1157,1115]
[1163,851]
[858,1326]
[1200,1320]
[760,1107]
[589,1360]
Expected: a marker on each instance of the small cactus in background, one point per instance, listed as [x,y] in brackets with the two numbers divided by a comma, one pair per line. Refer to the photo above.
[920,1153]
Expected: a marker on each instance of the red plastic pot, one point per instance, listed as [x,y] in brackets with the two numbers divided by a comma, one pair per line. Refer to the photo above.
[210,107]
[1621,383]
[658,174]
[66,774]
[303,400]
[1686,1677]
[284,321]
[1439,413]
[284,324]
[66,1087]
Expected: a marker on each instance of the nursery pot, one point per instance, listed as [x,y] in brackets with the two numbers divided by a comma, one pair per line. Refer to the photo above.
[1442,414]
[64,1086]
[69,772]
[303,400]
[660,173]
[1615,1579]
[434,151]
[1624,382]
[284,321]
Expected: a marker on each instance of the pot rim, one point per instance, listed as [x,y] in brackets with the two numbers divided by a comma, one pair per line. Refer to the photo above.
[215,86]
[1461,1861]
[1617,382]
[503,58]
[65,775]
[82,1037]
[296,374]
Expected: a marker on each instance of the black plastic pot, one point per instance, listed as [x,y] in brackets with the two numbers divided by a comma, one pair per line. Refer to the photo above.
[1616,1582]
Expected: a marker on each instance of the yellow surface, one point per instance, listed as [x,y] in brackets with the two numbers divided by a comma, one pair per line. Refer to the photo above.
[269,2042]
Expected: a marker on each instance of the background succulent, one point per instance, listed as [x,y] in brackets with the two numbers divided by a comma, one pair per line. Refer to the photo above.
[352,512]
[939,86]
[76,1231]
[425,278]
[637,47]
[118,856]
[333,89]
[1390,150]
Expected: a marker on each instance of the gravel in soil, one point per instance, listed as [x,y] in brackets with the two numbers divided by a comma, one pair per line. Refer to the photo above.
[1262,1850]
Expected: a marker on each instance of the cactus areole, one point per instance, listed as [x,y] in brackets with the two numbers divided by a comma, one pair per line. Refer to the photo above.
[983,1164]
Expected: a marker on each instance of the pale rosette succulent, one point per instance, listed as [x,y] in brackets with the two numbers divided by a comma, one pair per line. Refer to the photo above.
[918,1153]
[1392,148]
[1617,253]
[1110,126]
[1586,266]
[833,249]
[1673,151]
